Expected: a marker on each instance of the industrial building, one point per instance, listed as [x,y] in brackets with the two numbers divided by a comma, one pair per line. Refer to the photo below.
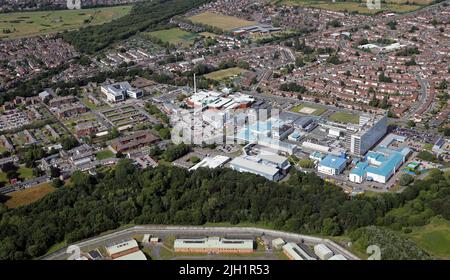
[323,252]
[125,250]
[120,91]
[379,166]
[294,252]
[273,167]
[357,138]
[216,245]
[209,162]
[332,165]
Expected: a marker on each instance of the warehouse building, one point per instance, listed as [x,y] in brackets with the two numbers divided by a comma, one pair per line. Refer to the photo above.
[125,250]
[271,166]
[216,245]
[332,165]
[294,252]
[323,252]
[209,162]
[379,166]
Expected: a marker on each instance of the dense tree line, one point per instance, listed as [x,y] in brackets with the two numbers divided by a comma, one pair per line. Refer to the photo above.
[170,195]
[144,16]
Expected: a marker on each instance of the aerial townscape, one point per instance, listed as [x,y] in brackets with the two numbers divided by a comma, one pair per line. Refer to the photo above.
[224,130]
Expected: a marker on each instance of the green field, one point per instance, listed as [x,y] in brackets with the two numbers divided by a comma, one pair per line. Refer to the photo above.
[309,109]
[223,22]
[434,237]
[356,6]
[344,118]
[32,23]
[25,173]
[175,36]
[225,73]
[104,154]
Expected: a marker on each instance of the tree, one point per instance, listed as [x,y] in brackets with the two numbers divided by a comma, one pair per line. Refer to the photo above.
[57,183]
[411,123]
[405,179]
[55,172]
[68,142]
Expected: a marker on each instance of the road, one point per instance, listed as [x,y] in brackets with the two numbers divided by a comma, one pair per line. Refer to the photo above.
[161,231]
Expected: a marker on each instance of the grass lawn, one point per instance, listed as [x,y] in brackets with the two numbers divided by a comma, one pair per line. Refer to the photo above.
[31,23]
[344,118]
[309,109]
[434,237]
[104,154]
[175,36]
[28,196]
[350,6]
[25,173]
[225,73]
[3,177]
[221,21]
[428,146]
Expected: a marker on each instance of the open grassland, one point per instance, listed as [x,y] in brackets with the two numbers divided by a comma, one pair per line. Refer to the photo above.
[434,237]
[25,24]
[223,22]
[104,154]
[25,173]
[398,6]
[175,36]
[344,118]
[28,196]
[308,109]
[225,73]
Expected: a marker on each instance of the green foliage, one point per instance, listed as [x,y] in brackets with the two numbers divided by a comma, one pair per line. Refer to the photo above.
[68,142]
[405,179]
[306,163]
[427,156]
[144,16]
[169,195]
[393,245]
[175,152]
[293,87]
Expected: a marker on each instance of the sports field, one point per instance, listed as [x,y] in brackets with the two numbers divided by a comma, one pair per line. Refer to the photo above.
[398,6]
[225,73]
[28,196]
[434,237]
[223,22]
[344,118]
[23,24]
[175,36]
[309,109]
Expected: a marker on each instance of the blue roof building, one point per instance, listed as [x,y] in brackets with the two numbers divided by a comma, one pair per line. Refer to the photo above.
[379,166]
[332,165]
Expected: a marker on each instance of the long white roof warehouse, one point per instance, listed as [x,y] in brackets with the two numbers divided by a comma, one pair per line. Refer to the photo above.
[213,244]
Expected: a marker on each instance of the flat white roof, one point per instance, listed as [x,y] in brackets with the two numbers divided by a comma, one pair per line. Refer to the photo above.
[293,250]
[272,157]
[122,246]
[136,256]
[211,162]
[213,243]
[254,166]
[338,257]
